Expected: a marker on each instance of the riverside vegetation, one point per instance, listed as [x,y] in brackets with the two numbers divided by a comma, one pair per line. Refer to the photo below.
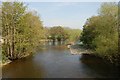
[22,32]
[100,33]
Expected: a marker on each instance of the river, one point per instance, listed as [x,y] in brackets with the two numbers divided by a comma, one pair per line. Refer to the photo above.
[56,61]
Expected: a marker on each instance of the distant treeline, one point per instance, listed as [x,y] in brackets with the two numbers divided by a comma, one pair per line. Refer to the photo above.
[60,33]
[100,33]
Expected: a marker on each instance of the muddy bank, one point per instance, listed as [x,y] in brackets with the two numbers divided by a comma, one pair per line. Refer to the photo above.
[5,63]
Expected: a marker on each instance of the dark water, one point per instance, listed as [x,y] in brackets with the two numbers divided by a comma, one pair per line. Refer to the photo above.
[56,61]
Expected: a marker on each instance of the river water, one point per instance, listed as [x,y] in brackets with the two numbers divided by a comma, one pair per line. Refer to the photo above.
[56,61]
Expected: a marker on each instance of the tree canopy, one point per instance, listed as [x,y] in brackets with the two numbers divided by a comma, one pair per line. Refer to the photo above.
[21,30]
[59,33]
[100,32]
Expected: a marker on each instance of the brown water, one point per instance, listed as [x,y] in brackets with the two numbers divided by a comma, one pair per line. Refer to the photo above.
[56,61]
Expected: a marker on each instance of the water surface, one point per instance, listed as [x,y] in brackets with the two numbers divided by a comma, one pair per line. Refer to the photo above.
[56,61]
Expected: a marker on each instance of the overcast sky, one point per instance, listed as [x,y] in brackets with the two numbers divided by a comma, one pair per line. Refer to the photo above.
[68,14]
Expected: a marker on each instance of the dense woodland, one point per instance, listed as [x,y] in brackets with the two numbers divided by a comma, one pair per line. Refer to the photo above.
[100,33]
[23,32]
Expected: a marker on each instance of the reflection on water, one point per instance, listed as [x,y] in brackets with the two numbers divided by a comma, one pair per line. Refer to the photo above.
[22,68]
[100,66]
[56,43]
[56,61]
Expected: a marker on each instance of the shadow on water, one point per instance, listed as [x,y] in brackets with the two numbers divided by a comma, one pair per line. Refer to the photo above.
[56,61]
[25,67]
[100,66]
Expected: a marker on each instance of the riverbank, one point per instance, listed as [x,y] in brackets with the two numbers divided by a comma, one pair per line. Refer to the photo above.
[79,49]
[7,61]
[4,63]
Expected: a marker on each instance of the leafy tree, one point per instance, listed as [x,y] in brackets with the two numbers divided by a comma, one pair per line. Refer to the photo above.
[107,40]
[89,33]
[62,33]
[119,29]
[21,30]
[47,32]
[101,32]
[73,34]
[57,32]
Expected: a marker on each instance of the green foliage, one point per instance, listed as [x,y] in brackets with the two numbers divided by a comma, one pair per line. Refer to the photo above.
[21,30]
[74,34]
[89,33]
[59,33]
[63,33]
[101,32]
